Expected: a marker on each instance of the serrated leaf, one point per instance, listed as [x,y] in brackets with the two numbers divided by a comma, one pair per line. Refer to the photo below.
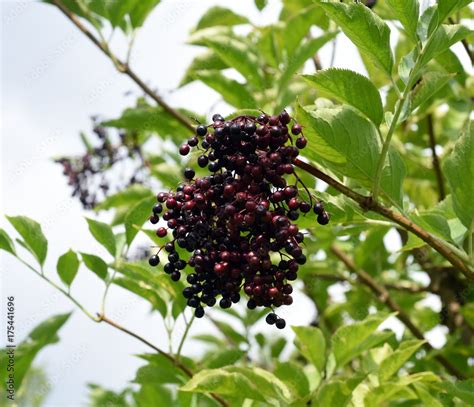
[397,359]
[144,291]
[6,243]
[407,11]
[223,382]
[348,143]
[233,92]
[136,217]
[430,83]
[347,340]
[365,29]
[294,377]
[223,357]
[239,55]
[301,54]
[349,87]
[461,161]
[158,370]
[103,234]
[127,197]
[208,61]
[95,264]
[32,234]
[444,37]
[220,16]
[448,7]
[140,12]
[67,267]
[336,393]
[312,345]
[298,25]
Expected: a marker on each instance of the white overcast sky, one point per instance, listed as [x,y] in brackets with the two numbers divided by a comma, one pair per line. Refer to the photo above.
[53,79]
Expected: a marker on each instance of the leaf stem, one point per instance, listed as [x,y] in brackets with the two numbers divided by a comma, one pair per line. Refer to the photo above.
[66,293]
[183,338]
[386,145]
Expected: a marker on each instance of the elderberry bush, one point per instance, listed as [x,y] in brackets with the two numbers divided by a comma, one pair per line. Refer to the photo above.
[237,223]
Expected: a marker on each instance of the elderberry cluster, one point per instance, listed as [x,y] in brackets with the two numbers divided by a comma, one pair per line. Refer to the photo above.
[90,175]
[237,222]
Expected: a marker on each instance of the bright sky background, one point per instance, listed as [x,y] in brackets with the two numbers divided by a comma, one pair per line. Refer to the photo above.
[53,79]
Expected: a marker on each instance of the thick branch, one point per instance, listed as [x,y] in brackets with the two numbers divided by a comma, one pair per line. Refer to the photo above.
[368,204]
[183,368]
[124,68]
[436,164]
[384,297]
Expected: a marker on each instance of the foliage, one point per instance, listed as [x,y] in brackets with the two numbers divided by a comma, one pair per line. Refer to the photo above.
[395,147]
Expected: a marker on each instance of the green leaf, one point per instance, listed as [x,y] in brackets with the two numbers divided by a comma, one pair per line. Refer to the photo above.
[67,267]
[444,37]
[397,359]
[464,390]
[426,396]
[100,397]
[260,4]
[347,341]
[145,291]
[349,144]
[298,25]
[302,53]
[233,92]
[158,370]
[33,237]
[224,382]
[407,11]
[349,87]
[448,7]
[312,345]
[6,243]
[148,119]
[140,12]
[95,264]
[458,168]
[294,377]
[136,217]
[208,61]
[42,335]
[430,83]
[336,393]
[223,357]
[127,197]
[365,29]
[235,52]
[103,234]
[220,16]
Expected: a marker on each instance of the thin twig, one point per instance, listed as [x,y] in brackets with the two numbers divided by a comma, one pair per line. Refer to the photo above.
[384,296]
[368,204]
[181,366]
[124,68]
[436,164]
[183,338]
